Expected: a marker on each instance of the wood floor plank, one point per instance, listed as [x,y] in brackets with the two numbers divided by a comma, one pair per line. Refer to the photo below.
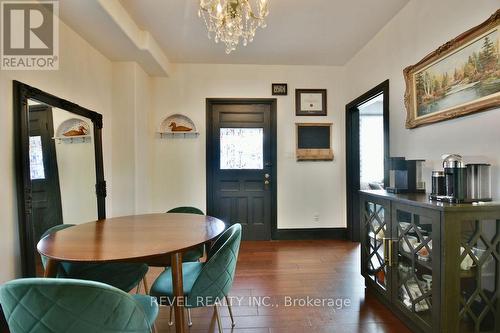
[271,275]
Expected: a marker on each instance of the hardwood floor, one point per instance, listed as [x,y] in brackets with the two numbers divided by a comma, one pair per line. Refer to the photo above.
[278,273]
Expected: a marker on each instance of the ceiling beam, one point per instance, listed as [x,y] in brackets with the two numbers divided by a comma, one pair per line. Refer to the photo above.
[109,28]
[142,39]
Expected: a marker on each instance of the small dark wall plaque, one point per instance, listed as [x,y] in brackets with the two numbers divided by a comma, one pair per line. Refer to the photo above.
[310,102]
[280,89]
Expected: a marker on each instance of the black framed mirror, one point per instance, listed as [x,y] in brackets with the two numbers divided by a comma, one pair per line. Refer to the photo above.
[59,167]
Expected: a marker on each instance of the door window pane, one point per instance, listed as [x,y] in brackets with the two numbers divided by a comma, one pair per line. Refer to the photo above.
[37,170]
[241,148]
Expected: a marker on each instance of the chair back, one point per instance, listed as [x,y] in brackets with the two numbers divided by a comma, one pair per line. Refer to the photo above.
[186,210]
[198,252]
[217,274]
[51,231]
[55,229]
[44,305]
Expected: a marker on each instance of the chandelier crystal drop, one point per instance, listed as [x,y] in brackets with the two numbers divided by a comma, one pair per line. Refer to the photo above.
[231,20]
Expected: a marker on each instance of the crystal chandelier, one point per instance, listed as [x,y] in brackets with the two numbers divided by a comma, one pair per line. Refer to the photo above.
[230,20]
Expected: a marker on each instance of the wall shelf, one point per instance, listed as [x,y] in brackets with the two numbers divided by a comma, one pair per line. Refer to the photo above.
[178,134]
[73,126]
[71,139]
[173,125]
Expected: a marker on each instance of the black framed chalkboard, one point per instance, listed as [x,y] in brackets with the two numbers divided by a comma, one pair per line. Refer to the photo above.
[313,137]
[314,142]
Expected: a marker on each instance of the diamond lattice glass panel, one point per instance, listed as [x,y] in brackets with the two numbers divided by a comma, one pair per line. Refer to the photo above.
[241,148]
[414,273]
[37,170]
[479,253]
[376,228]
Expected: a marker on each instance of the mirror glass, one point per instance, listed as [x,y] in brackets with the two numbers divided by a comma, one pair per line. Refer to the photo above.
[62,170]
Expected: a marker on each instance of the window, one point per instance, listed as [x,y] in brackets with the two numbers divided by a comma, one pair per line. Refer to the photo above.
[37,169]
[241,148]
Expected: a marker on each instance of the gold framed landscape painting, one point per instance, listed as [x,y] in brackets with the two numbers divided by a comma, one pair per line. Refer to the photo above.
[459,78]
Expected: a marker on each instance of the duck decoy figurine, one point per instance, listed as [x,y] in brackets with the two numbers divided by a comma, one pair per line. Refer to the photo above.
[176,128]
[80,131]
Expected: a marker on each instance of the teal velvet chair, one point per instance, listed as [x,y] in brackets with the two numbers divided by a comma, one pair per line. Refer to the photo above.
[208,283]
[43,305]
[192,255]
[186,210]
[197,253]
[124,276]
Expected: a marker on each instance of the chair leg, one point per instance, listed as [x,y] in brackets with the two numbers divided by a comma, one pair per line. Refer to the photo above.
[170,321]
[230,311]
[190,322]
[153,329]
[146,288]
[217,314]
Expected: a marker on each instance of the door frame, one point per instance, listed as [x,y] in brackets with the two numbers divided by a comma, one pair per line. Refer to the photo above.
[352,152]
[210,168]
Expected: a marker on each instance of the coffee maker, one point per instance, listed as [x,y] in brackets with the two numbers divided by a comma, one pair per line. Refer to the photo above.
[455,178]
[461,183]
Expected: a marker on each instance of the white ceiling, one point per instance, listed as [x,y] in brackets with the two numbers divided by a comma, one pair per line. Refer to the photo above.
[299,32]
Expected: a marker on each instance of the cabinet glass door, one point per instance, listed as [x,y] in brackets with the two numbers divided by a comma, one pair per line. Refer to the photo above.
[416,261]
[376,229]
[479,271]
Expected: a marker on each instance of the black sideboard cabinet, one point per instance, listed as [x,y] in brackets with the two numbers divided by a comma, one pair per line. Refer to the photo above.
[436,265]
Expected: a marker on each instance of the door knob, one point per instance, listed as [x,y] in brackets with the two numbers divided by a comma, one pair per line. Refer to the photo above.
[267,176]
[266,182]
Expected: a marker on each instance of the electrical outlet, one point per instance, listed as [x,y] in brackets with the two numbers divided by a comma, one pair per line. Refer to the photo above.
[316,217]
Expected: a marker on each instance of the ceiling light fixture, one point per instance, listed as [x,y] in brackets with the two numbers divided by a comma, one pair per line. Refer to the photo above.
[230,20]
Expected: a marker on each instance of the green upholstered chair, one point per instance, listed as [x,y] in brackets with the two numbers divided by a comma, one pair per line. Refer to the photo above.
[186,210]
[124,276]
[208,283]
[43,305]
[197,253]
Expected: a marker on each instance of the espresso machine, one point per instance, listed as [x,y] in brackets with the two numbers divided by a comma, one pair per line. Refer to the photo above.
[460,182]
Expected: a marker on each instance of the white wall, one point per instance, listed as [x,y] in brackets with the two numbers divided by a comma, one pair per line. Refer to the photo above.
[132,140]
[123,140]
[304,188]
[76,169]
[84,77]
[144,141]
[418,29]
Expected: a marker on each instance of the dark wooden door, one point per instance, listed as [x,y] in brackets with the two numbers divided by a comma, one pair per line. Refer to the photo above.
[46,194]
[241,159]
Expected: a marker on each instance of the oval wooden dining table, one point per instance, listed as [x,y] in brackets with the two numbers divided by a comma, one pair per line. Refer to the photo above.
[154,239]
